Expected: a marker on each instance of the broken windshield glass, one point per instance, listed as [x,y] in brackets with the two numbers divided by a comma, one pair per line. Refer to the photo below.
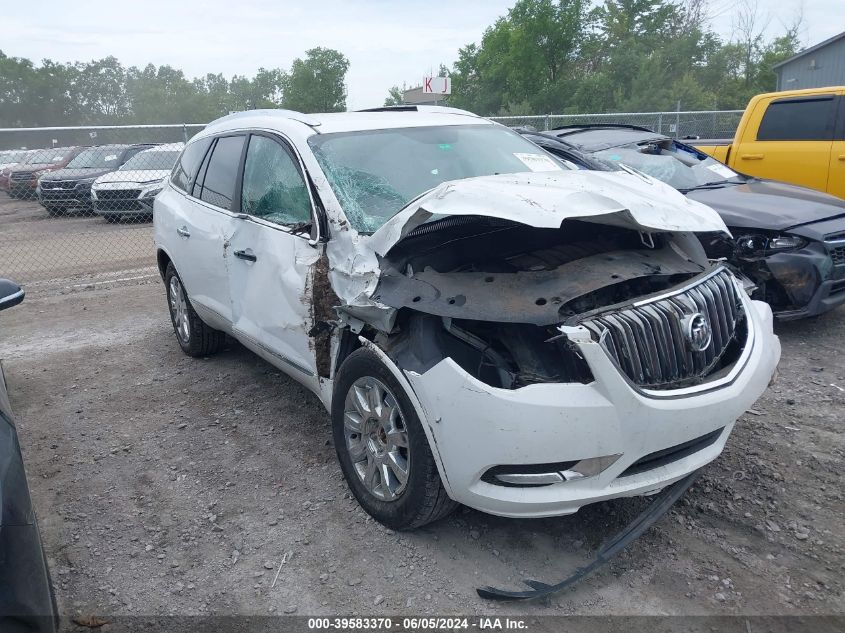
[668,162]
[375,173]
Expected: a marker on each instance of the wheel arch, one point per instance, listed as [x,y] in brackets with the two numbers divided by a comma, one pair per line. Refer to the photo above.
[162,259]
[425,420]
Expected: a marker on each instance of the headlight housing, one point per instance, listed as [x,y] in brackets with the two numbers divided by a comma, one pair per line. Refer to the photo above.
[152,193]
[751,244]
[85,183]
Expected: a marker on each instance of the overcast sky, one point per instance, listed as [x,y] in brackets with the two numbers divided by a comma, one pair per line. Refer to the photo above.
[388,42]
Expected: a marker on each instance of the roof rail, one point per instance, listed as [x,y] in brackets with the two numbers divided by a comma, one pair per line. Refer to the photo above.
[420,108]
[280,112]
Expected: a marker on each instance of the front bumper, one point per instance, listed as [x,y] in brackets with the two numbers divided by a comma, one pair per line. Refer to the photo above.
[138,207]
[64,198]
[813,282]
[474,427]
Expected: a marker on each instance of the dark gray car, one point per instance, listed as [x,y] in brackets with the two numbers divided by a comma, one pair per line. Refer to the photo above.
[789,240]
[27,602]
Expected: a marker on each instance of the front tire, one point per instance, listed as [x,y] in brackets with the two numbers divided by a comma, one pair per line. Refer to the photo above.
[195,337]
[382,448]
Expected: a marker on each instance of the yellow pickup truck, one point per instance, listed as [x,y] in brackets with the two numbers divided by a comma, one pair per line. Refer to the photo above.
[797,136]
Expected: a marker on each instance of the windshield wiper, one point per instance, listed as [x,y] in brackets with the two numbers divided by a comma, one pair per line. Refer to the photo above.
[710,185]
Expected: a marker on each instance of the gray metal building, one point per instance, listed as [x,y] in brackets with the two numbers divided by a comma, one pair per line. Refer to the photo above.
[815,67]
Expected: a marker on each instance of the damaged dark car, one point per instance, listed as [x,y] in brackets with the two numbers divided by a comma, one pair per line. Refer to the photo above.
[789,240]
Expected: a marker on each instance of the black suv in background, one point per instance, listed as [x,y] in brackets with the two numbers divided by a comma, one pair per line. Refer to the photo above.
[71,187]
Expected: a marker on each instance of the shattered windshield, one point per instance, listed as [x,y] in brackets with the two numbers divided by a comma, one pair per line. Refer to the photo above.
[375,173]
[669,162]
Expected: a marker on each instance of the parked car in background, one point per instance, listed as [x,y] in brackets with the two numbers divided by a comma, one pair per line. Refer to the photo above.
[485,325]
[70,188]
[797,136]
[789,240]
[10,158]
[129,191]
[23,177]
[27,602]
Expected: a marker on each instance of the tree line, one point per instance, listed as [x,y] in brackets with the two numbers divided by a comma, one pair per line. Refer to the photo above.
[576,56]
[105,92]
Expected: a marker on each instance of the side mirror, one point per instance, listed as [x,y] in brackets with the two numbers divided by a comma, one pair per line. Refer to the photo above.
[11,294]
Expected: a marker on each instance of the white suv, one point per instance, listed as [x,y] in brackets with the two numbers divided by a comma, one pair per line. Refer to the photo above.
[486,325]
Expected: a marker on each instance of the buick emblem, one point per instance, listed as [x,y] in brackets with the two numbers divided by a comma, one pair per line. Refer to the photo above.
[697,331]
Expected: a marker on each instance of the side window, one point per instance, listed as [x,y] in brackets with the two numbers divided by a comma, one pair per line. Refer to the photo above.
[273,186]
[197,188]
[798,120]
[218,186]
[186,167]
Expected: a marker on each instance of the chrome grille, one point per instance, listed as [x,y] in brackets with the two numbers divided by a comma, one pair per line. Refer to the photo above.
[21,176]
[647,339]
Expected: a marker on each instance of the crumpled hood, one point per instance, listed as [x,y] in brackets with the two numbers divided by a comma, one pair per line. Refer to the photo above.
[133,176]
[767,204]
[546,199]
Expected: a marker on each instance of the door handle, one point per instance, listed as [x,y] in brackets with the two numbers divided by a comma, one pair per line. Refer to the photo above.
[246,256]
[752,156]
[183,231]
[842,157]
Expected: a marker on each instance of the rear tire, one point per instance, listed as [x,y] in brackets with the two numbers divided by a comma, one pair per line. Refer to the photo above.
[379,441]
[194,337]
[111,219]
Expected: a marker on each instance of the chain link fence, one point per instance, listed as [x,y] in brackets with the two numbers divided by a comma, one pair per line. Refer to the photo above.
[76,202]
[701,124]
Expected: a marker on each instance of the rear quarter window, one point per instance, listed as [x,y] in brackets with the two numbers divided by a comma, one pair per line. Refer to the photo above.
[798,120]
[186,167]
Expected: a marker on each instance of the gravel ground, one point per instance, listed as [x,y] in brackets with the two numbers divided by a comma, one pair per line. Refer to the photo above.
[37,248]
[169,485]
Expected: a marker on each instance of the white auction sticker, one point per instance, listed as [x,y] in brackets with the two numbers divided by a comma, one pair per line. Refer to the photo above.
[111,157]
[724,172]
[538,162]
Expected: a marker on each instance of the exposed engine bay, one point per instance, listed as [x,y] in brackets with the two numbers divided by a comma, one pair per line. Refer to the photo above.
[491,293]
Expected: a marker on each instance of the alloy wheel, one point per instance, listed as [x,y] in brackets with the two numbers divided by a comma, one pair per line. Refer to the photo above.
[179,310]
[377,438]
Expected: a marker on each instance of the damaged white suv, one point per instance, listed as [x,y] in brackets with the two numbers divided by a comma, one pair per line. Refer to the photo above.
[485,325]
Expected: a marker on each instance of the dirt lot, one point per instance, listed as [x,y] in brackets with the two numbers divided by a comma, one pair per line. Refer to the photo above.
[168,485]
[44,252]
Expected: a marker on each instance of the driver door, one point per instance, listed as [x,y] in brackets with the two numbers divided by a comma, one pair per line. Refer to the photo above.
[270,259]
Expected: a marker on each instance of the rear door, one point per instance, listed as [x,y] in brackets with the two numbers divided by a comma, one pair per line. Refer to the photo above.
[271,261]
[793,141]
[836,179]
[203,225]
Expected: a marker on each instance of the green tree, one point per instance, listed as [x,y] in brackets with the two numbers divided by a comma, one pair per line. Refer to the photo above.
[395,96]
[317,83]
